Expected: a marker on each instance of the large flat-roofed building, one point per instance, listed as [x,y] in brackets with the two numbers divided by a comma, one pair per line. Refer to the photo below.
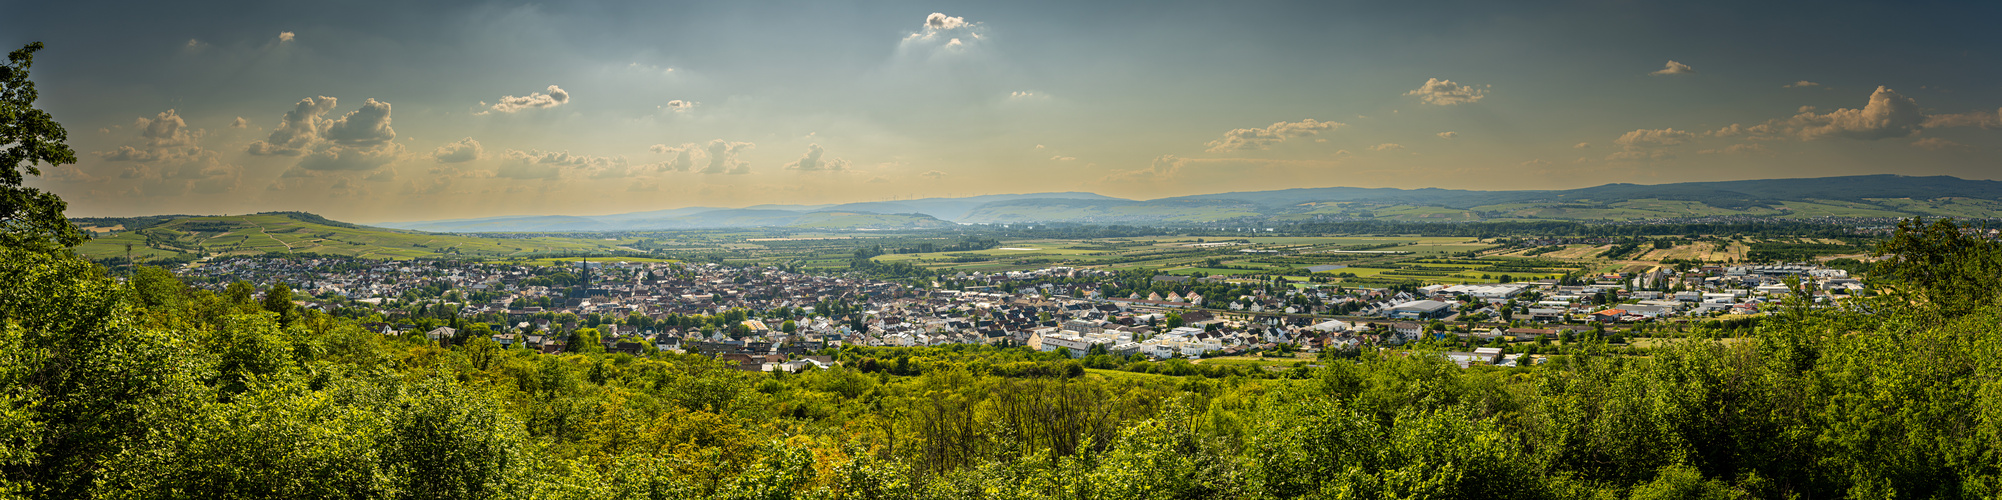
[1490,293]
[1422,309]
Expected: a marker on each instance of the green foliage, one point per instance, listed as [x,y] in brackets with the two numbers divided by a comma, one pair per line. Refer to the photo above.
[586,340]
[278,299]
[157,288]
[247,347]
[239,292]
[1941,266]
[1853,266]
[1793,252]
[91,377]
[321,408]
[1680,482]
[29,217]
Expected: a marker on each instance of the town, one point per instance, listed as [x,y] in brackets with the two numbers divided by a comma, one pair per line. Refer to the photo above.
[769,318]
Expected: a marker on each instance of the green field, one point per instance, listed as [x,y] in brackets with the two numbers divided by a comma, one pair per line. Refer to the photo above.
[1804,209]
[1126,375]
[1424,214]
[1268,363]
[1368,259]
[1252,255]
[195,237]
[1618,210]
[1944,207]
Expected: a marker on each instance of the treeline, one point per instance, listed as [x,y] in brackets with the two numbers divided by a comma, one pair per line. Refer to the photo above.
[312,218]
[1795,252]
[965,245]
[865,265]
[1565,228]
[1621,251]
[1020,362]
[128,223]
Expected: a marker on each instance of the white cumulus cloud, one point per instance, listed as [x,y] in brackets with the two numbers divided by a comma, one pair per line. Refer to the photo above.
[167,130]
[556,96]
[547,165]
[682,157]
[357,141]
[1888,115]
[1261,138]
[943,33]
[1979,119]
[1654,138]
[1674,68]
[1447,93]
[165,138]
[366,126]
[464,150]
[812,161]
[723,157]
[297,130]
[1736,148]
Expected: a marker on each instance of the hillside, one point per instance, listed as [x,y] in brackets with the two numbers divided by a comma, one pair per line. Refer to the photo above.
[1113,211]
[189,237]
[820,217]
[1850,196]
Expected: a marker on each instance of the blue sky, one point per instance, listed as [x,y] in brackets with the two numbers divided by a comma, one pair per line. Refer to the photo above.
[485,108]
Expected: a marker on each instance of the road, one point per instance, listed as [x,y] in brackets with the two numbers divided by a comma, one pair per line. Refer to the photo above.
[288,246]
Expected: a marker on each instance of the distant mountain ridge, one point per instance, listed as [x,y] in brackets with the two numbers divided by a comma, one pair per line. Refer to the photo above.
[1847,196]
[902,214]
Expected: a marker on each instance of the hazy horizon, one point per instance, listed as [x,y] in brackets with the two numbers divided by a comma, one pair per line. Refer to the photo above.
[393,112]
[823,205]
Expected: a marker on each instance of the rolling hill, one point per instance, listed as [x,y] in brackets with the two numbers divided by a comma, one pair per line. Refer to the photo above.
[665,220]
[903,214]
[185,238]
[1849,196]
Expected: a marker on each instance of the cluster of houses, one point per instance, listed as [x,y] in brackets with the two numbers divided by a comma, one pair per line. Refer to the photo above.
[1073,317]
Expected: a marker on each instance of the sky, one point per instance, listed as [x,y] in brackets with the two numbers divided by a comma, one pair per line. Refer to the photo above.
[402,111]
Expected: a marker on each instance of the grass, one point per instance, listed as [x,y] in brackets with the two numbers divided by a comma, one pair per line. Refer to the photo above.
[273,233]
[1945,207]
[1422,213]
[1112,214]
[1703,250]
[1258,361]
[1647,208]
[1215,272]
[1126,375]
[1828,208]
[1175,255]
